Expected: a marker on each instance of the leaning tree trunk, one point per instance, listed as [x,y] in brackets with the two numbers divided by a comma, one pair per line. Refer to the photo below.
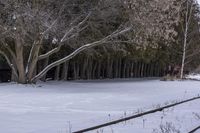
[187,22]
[33,59]
[184,53]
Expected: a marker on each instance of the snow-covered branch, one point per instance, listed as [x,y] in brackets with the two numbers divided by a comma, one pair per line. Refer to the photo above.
[68,34]
[5,45]
[82,48]
[75,28]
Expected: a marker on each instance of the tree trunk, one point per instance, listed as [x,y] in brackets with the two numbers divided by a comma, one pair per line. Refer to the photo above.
[139,69]
[132,69]
[20,62]
[187,21]
[74,70]
[124,69]
[99,70]
[183,56]
[120,68]
[94,70]
[65,71]
[33,62]
[110,68]
[46,62]
[116,68]
[57,73]
[13,77]
[142,70]
[135,69]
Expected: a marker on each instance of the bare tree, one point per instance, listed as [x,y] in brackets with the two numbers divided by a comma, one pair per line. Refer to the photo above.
[25,26]
[188,14]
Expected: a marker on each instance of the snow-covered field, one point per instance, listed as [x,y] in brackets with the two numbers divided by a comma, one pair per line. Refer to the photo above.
[58,107]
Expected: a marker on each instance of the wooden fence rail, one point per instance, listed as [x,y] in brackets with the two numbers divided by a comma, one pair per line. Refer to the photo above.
[194,130]
[136,116]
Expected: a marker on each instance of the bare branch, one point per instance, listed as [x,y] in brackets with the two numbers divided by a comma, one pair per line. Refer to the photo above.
[30,57]
[55,50]
[75,28]
[9,49]
[54,22]
[77,51]
[50,27]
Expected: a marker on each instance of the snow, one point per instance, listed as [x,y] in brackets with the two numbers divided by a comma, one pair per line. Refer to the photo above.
[58,107]
[193,76]
[55,40]
[179,119]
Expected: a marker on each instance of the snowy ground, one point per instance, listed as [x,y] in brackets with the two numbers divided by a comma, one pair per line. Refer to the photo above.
[193,76]
[58,107]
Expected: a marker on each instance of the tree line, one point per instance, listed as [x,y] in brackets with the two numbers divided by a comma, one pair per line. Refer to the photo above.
[77,39]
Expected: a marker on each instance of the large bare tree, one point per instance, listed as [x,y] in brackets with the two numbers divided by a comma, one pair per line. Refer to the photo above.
[25,26]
